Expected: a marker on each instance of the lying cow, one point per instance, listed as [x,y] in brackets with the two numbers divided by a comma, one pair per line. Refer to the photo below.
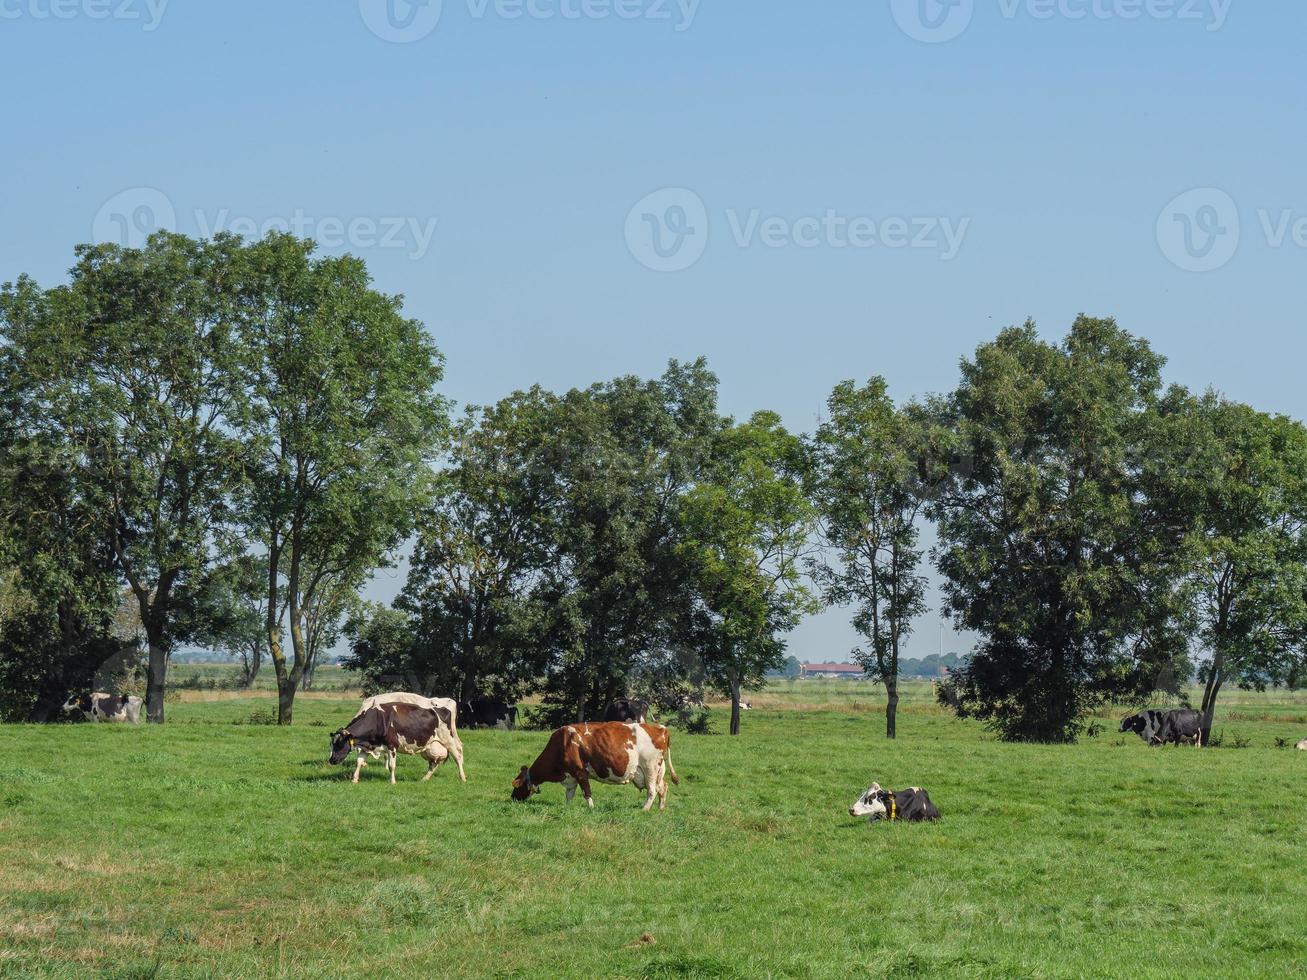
[488,713]
[1302,746]
[1166,727]
[912,804]
[609,751]
[101,707]
[627,709]
[388,729]
[453,743]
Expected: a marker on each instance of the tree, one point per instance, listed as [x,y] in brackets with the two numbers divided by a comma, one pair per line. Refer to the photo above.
[132,364]
[746,528]
[625,454]
[868,487]
[232,613]
[1046,544]
[1238,478]
[346,425]
[481,551]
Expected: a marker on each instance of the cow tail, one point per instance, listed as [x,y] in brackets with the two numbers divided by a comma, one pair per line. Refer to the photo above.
[667,757]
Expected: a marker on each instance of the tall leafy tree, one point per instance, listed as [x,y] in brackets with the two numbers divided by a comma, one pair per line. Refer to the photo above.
[870,490]
[746,530]
[346,425]
[624,453]
[1237,478]
[1045,548]
[482,548]
[132,363]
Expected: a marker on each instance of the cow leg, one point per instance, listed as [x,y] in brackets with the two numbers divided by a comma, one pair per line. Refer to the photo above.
[585,789]
[454,744]
[359,768]
[570,784]
[662,785]
[392,757]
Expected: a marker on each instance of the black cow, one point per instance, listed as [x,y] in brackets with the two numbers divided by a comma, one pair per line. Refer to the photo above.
[487,713]
[394,728]
[627,709]
[1179,725]
[912,804]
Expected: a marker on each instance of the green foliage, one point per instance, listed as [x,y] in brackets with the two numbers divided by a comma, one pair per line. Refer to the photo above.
[871,477]
[1049,549]
[746,528]
[345,425]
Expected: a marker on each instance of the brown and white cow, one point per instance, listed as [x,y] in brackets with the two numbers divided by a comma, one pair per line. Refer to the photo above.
[389,729]
[609,751]
[453,743]
[121,708]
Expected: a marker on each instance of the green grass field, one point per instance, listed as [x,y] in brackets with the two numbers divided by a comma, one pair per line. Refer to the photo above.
[215,847]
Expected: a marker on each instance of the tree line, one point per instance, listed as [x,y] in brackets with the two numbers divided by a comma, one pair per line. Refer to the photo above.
[218,443]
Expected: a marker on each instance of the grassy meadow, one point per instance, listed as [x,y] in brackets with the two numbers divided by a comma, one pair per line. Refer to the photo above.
[220,846]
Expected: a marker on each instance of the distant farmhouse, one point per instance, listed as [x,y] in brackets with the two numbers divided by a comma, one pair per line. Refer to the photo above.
[845,671]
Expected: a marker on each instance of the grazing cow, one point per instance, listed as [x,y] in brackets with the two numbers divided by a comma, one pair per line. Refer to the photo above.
[1302,746]
[488,713]
[912,804]
[453,743]
[1166,727]
[745,706]
[120,708]
[393,728]
[627,709]
[609,751]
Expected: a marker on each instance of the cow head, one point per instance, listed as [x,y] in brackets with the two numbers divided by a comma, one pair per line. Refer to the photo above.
[1134,723]
[77,706]
[342,744]
[523,787]
[875,803]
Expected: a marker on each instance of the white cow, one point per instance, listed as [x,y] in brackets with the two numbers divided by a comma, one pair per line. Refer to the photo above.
[101,707]
[1302,746]
[452,743]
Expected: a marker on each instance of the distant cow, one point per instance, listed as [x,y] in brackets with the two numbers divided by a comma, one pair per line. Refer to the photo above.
[120,708]
[488,713]
[1302,746]
[912,804]
[745,706]
[627,709]
[1166,727]
[609,751]
[389,729]
[453,743]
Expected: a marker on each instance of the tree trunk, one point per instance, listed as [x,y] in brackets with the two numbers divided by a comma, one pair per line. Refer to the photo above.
[157,682]
[735,703]
[891,706]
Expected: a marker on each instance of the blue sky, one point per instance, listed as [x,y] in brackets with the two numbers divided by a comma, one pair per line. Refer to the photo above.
[838,190]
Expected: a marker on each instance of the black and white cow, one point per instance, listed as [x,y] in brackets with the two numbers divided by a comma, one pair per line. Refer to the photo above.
[449,705]
[1174,727]
[101,707]
[627,709]
[487,713]
[912,804]
[388,729]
